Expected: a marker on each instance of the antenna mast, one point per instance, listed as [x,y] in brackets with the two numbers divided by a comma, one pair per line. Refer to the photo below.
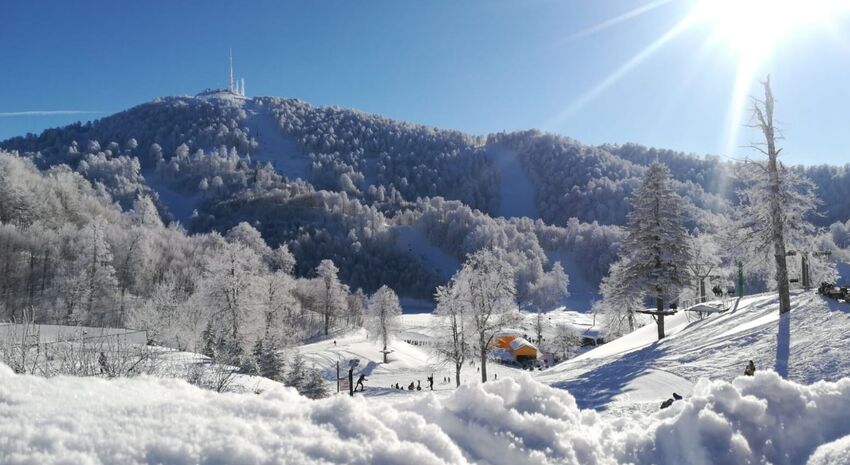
[230,71]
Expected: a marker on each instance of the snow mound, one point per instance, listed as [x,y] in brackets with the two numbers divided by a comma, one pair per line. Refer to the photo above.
[147,420]
[834,453]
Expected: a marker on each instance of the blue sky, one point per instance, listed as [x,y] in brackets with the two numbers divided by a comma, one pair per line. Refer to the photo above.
[475,65]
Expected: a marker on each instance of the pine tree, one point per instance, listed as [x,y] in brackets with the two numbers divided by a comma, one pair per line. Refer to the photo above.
[314,386]
[296,376]
[208,339]
[655,251]
[267,358]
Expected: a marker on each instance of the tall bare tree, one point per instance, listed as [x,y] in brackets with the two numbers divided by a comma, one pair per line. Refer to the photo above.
[763,120]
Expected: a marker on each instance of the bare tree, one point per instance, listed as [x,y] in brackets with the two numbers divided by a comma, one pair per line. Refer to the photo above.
[454,346]
[490,295]
[763,120]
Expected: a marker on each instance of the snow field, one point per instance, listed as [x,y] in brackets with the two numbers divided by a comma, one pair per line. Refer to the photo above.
[761,419]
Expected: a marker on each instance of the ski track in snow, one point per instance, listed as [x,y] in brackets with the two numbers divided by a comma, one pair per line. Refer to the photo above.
[274,146]
[516,191]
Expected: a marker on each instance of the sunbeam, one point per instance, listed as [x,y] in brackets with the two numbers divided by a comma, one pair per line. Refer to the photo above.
[618,74]
[616,20]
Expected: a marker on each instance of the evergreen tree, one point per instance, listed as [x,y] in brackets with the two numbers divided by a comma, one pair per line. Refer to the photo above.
[296,376]
[314,386]
[655,251]
[268,359]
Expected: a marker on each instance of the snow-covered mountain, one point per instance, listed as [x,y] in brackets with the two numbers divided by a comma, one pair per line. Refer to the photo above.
[342,184]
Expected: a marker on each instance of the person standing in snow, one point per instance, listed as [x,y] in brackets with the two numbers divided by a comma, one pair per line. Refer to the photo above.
[360,383]
[751,369]
[431,382]
[101,360]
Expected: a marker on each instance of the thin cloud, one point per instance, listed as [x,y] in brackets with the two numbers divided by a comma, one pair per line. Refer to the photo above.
[12,114]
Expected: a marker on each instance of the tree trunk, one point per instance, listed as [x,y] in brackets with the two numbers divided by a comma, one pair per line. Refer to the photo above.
[659,318]
[702,290]
[458,366]
[483,362]
[766,123]
[385,353]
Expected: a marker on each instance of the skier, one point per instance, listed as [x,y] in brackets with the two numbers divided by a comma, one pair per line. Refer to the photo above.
[751,369]
[431,382]
[717,290]
[360,383]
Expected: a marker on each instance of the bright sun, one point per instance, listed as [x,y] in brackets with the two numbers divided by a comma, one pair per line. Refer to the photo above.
[754,27]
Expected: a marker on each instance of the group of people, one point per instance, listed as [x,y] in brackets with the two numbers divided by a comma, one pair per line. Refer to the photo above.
[415,387]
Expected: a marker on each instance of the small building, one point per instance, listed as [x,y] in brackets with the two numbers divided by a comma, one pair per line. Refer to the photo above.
[520,349]
[592,337]
[523,350]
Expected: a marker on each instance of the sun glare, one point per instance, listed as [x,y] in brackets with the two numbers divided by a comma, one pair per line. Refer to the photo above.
[753,28]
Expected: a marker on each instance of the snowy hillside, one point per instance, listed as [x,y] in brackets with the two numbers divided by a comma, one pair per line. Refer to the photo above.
[637,371]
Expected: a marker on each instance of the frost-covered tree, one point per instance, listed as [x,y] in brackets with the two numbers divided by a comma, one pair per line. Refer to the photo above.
[551,288]
[357,302]
[489,293]
[91,278]
[381,317]
[453,345]
[231,291]
[706,260]
[771,214]
[655,252]
[567,340]
[329,293]
[776,206]
[619,304]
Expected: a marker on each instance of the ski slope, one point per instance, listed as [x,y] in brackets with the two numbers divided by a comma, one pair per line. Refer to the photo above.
[516,191]
[637,371]
[274,146]
[413,357]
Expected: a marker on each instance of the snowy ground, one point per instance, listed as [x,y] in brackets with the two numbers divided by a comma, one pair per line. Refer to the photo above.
[762,419]
[413,357]
[637,371]
[523,417]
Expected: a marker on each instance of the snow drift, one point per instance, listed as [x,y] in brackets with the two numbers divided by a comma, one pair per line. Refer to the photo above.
[762,419]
